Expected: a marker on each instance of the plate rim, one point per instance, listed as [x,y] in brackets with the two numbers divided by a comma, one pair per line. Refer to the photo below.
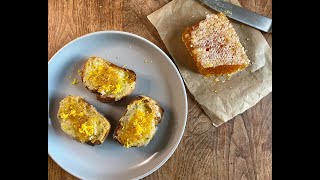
[175,68]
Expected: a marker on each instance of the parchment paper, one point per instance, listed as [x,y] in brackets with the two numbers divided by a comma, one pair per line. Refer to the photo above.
[224,99]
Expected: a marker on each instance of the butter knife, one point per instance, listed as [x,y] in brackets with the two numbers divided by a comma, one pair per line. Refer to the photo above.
[240,14]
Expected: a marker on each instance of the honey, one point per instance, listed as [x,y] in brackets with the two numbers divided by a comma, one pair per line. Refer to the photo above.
[215,46]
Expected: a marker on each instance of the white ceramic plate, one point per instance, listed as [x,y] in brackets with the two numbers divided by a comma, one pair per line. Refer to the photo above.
[158,79]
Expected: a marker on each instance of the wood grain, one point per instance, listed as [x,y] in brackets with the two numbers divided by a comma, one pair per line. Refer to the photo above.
[239,149]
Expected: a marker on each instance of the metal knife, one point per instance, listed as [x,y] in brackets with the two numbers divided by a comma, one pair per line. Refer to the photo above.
[240,14]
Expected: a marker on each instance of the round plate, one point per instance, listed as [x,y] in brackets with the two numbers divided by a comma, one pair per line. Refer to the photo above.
[157,77]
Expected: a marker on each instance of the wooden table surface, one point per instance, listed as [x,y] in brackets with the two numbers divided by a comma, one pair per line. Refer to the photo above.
[238,149]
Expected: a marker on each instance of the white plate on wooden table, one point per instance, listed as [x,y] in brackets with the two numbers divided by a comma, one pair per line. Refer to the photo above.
[157,77]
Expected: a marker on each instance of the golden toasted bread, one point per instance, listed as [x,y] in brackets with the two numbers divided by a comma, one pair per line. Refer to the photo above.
[109,82]
[82,121]
[139,124]
[215,46]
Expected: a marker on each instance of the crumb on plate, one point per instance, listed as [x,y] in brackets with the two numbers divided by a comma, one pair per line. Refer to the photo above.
[75,81]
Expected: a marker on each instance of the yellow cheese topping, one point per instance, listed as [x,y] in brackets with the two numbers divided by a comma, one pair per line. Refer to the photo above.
[108,80]
[138,128]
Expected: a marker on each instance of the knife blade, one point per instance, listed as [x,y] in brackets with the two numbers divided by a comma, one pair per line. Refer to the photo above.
[240,14]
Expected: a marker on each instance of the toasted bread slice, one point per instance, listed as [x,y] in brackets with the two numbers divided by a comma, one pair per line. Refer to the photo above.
[215,46]
[82,121]
[109,82]
[139,124]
